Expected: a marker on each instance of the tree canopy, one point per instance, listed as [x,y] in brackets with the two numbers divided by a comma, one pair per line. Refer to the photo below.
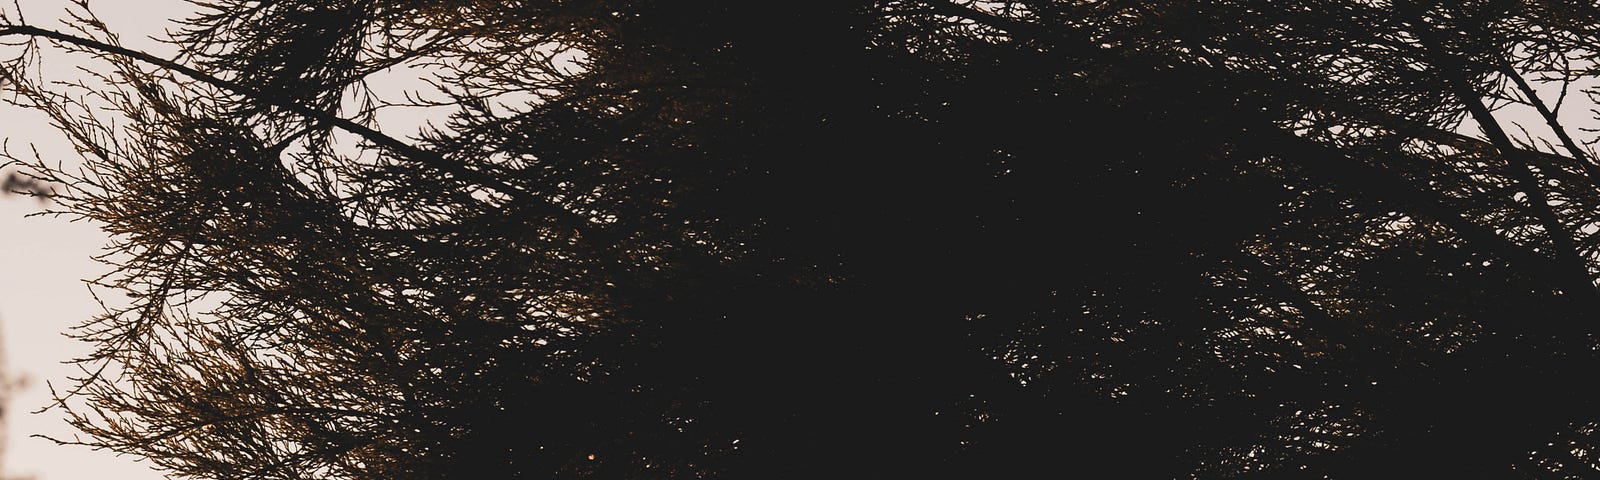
[908,238]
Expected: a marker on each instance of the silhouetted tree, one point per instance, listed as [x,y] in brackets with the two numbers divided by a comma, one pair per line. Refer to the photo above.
[870,239]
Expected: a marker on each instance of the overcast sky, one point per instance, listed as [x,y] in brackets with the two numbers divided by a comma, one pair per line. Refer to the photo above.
[45,259]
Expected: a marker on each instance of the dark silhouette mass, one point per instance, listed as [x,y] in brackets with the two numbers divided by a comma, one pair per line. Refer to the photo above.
[871,239]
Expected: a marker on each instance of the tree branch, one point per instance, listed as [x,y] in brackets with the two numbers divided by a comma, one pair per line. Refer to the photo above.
[429,158]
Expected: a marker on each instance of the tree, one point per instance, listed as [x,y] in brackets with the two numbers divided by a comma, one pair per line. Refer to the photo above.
[870,239]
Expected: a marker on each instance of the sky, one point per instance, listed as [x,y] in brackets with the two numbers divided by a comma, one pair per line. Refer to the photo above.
[45,260]
[41,288]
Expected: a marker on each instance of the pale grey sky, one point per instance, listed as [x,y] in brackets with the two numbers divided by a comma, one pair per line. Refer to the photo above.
[41,292]
[46,259]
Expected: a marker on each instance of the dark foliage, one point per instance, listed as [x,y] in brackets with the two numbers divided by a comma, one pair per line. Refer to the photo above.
[877,239]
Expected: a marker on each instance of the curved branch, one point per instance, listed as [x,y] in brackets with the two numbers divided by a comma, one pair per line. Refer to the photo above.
[425,157]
